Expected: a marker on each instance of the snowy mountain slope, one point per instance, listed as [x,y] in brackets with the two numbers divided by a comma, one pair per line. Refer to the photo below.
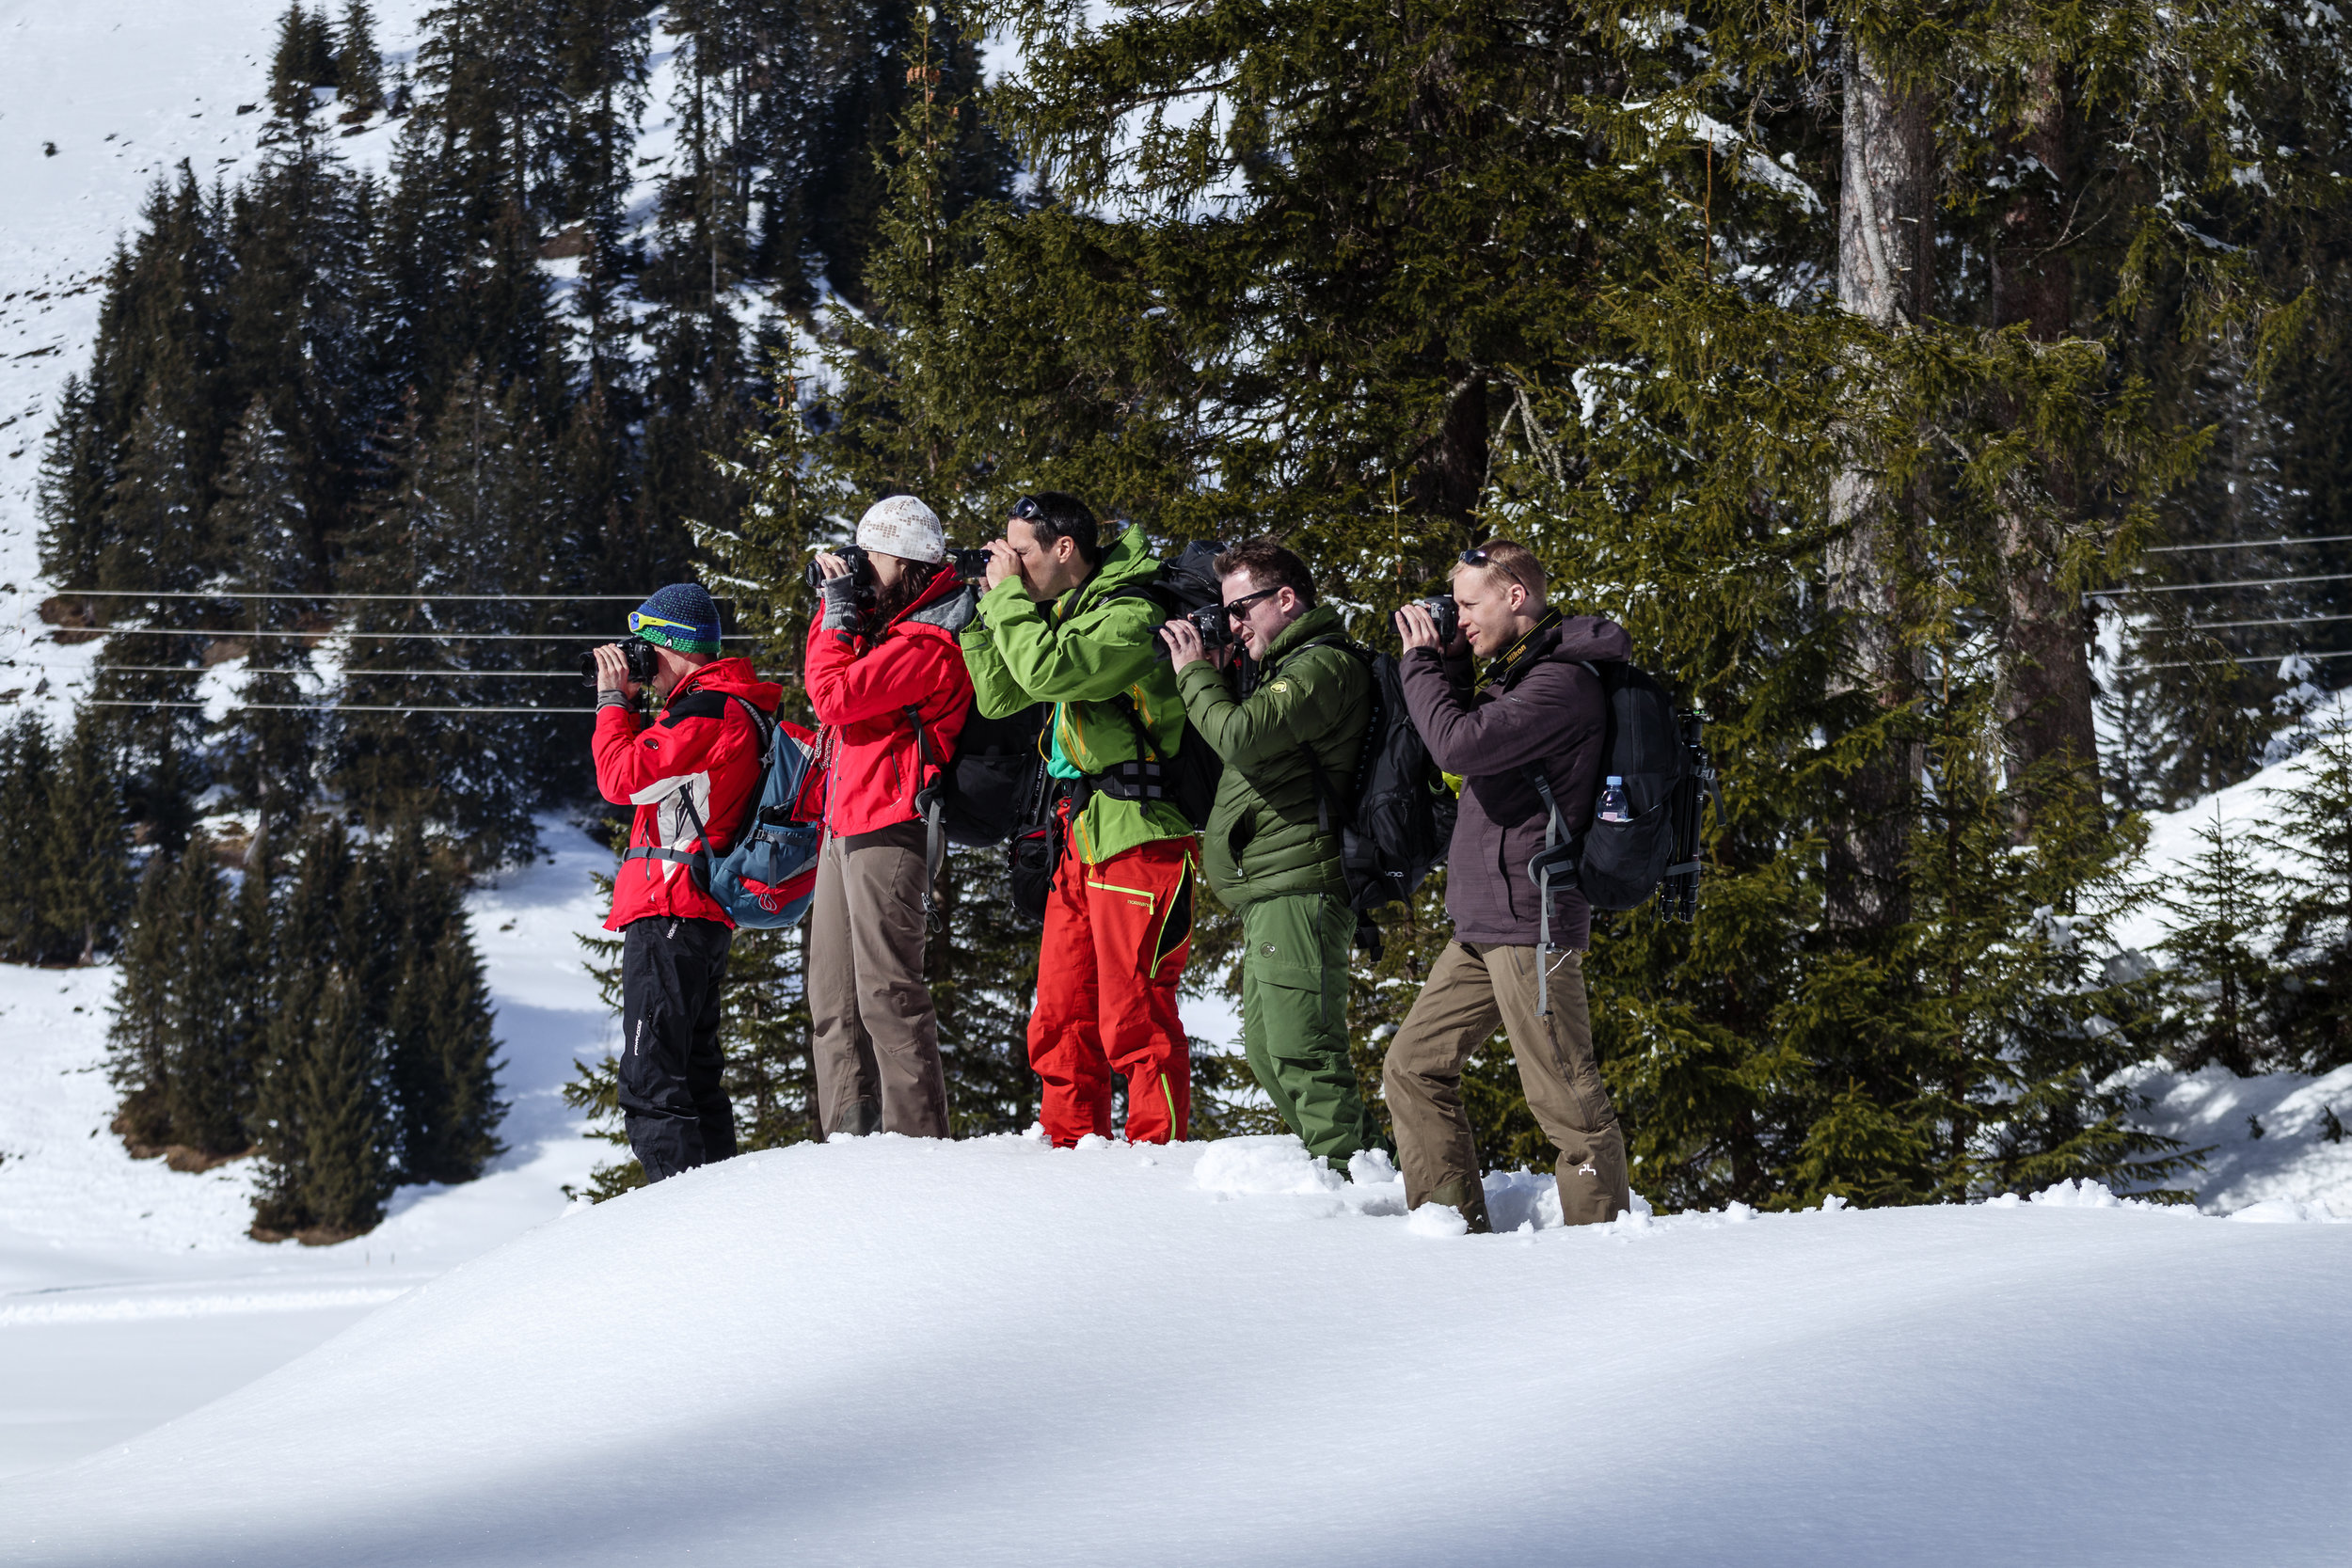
[124,90]
[130,1293]
[885,1351]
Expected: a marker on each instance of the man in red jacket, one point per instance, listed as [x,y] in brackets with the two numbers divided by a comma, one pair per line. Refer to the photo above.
[690,773]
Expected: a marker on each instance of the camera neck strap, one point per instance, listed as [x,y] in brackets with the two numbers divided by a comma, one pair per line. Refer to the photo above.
[932,809]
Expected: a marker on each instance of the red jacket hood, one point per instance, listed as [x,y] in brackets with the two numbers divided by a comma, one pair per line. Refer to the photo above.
[733,677]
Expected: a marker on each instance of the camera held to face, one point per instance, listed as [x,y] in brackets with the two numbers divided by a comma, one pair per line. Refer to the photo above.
[1215,626]
[639,654]
[968,566]
[1443,611]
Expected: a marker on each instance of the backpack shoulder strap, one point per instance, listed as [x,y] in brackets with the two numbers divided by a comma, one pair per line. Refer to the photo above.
[1325,796]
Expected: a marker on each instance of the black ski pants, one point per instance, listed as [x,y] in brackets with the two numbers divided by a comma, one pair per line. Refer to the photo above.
[671,973]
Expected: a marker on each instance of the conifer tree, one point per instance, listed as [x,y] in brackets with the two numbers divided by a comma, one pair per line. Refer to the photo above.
[358,64]
[323,1118]
[138,1040]
[28,775]
[262,510]
[341,1177]
[210,1077]
[304,59]
[84,871]
[441,1061]
[2314,834]
[76,473]
[2219,919]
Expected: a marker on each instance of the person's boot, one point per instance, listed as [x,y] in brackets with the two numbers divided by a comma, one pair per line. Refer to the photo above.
[1467,1196]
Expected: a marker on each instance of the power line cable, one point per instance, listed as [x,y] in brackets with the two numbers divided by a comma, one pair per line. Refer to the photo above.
[355,598]
[2250,543]
[2242,659]
[330,707]
[2202,587]
[347,674]
[235,634]
[2280,620]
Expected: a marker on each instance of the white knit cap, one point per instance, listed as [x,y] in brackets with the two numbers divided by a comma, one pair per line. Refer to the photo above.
[903,526]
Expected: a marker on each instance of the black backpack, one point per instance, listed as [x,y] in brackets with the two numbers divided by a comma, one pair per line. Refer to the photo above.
[1403,815]
[1653,745]
[994,774]
[1186,582]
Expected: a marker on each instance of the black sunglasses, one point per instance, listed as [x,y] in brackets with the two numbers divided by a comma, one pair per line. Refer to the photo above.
[1024,510]
[1240,607]
[1475,558]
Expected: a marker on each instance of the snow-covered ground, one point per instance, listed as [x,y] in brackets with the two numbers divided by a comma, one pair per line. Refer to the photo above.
[887,1351]
[130,1293]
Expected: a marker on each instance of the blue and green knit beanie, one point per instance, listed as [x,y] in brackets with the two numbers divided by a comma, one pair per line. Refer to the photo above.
[679,616]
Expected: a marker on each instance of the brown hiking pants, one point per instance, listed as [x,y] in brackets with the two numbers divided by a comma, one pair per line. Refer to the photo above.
[1473,989]
[876,1034]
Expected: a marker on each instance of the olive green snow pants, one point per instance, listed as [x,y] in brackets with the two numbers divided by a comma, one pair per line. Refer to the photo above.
[1472,988]
[1293,1020]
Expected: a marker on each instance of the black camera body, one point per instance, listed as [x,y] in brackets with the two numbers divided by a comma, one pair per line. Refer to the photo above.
[1215,626]
[635,650]
[1448,615]
[968,566]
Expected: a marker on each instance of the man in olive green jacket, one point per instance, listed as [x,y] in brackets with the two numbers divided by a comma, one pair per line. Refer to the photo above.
[1272,849]
[1062,622]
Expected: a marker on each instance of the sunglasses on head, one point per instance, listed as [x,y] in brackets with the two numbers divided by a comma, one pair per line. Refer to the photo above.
[1475,557]
[1024,510]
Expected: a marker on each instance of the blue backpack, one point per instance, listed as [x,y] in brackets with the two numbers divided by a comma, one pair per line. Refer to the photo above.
[769,873]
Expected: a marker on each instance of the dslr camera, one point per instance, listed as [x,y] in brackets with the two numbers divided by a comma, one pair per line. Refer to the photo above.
[1448,616]
[968,565]
[638,652]
[1215,626]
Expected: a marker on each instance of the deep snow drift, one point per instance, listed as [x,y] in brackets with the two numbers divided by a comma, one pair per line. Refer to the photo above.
[130,1293]
[890,1352]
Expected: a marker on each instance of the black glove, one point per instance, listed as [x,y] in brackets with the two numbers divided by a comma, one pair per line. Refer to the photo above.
[841,612]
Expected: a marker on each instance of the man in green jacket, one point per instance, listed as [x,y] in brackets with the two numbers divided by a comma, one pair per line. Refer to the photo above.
[1272,842]
[1064,621]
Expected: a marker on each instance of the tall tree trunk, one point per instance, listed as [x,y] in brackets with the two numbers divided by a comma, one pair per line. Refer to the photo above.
[2047,690]
[1886,258]
[1452,470]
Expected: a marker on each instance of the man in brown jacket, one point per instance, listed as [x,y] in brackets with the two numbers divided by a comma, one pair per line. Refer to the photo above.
[1535,706]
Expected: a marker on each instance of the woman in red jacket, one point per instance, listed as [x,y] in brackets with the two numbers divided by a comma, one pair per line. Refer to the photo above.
[882,655]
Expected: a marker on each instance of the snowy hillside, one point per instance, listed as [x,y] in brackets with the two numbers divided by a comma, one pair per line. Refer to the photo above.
[122,90]
[892,1352]
[130,1293]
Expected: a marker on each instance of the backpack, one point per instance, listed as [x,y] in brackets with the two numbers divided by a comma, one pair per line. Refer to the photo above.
[986,794]
[1186,582]
[1403,816]
[1654,747]
[769,873]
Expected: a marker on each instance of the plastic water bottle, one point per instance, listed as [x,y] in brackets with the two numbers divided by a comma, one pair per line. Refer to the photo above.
[1613,806]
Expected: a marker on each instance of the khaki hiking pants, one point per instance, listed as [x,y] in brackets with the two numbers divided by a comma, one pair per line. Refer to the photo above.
[876,1034]
[1473,989]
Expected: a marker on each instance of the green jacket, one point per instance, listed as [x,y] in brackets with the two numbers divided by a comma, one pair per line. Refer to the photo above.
[1263,841]
[1082,655]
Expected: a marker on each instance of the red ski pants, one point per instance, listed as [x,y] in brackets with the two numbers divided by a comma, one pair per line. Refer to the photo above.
[1116,935]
